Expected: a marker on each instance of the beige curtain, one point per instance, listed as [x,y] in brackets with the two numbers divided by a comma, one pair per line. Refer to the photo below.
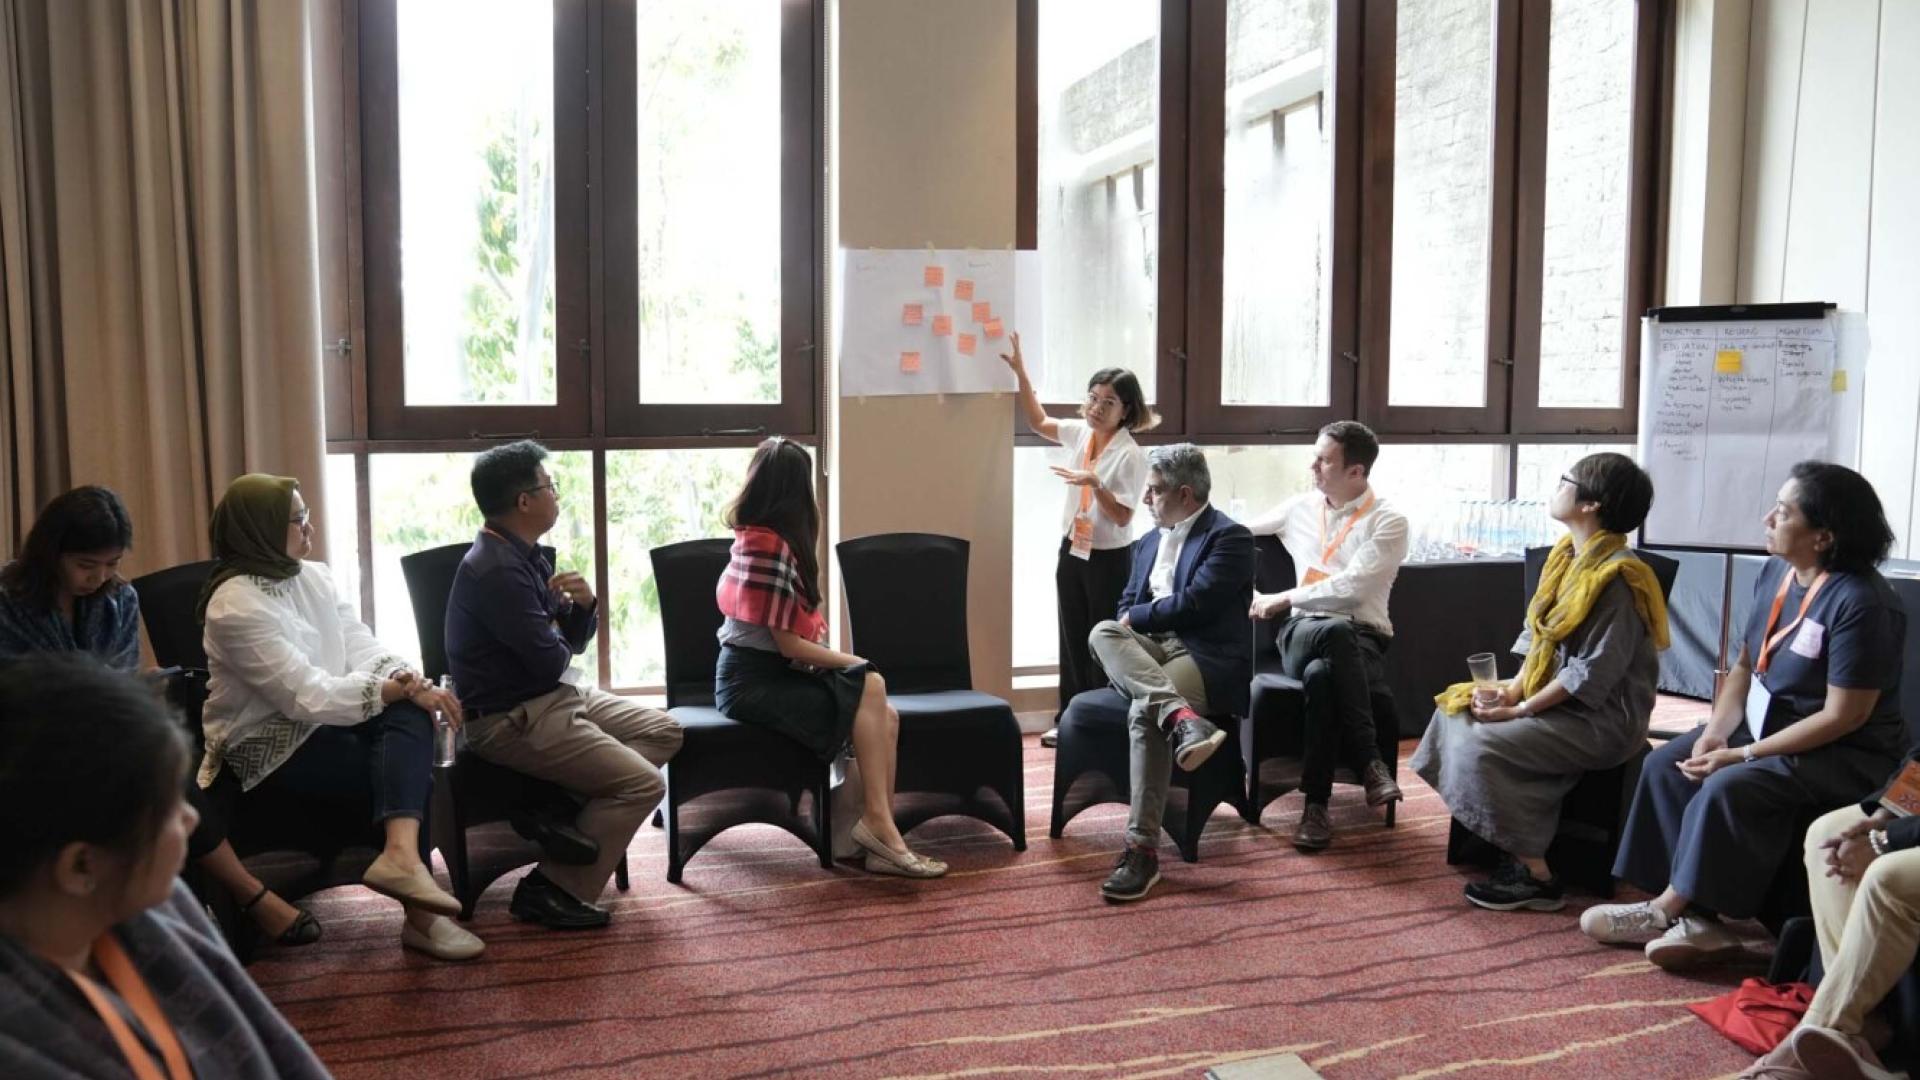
[158,268]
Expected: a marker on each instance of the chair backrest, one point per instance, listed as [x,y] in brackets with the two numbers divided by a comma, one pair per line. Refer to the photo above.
[686,576]
[1665,570]
[167,600]
[907,608]
[1272,572]
[430,575]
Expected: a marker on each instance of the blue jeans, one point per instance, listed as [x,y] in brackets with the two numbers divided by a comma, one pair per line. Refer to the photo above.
[385,763]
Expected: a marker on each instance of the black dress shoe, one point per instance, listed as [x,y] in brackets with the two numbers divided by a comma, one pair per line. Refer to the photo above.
[557,838]
[537,900]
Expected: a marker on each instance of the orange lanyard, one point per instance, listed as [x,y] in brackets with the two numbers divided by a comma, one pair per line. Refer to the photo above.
[1770,640]
[1328,547]
[133,990]
[1086,491]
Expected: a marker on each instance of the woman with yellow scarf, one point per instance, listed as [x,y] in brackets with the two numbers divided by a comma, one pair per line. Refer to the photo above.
[1504,761]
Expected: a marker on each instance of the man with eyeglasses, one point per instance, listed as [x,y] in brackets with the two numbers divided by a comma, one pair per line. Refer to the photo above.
[514,626]
[1347,545]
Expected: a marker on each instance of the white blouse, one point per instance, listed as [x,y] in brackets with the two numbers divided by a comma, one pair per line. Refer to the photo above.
[1122,469]
[284,657]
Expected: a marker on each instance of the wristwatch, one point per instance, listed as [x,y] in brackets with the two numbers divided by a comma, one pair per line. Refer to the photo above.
[1746,753]
[1877,838]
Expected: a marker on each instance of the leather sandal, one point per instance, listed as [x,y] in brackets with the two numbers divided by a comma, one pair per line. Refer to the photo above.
[304,930]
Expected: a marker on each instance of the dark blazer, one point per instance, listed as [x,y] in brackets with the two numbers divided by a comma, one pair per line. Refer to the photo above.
[1212,589]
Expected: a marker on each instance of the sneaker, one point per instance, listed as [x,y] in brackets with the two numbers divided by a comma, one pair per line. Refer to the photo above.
[1134,875]
[1380,784]
[1315,831]
[1194,740]
[1834,1055]
[1690,942]
[1514,888]
[1780,1063]
[1050,737]
[1624,924]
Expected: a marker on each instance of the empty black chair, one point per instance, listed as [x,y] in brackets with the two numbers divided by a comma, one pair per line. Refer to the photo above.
[1593,815]
[960,750]
[1272,732]
[289,848]
[473,793]
[738,773]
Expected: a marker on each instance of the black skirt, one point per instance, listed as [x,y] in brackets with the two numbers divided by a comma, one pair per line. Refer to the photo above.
[812,707]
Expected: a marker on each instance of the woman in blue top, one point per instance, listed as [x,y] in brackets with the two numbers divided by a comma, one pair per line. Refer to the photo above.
[64,594]
[1807,721]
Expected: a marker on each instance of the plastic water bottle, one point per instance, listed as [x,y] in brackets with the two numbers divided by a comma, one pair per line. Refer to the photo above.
[445,737]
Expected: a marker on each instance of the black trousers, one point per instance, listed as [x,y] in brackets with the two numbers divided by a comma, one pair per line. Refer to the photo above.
[1089,592]
[1340,664]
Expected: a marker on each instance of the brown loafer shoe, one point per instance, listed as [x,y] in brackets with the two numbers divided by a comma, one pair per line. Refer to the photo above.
[1380,784]
[1315,832]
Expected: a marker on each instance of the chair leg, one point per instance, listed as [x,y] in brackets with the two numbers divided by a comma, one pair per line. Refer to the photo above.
[620,879]
[823,817]
[675,862]
[450,836]
[1392,806]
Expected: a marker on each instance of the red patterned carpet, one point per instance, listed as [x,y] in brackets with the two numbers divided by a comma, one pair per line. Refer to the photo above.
[1364,960]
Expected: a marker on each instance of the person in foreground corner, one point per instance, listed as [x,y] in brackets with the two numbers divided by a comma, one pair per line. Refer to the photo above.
[1181,646]
[1863,876]
[775,671]
[304,705]
[513,627]
[1807,721]
[108,965]
[1348,544]
[1504,759]
[1104,485]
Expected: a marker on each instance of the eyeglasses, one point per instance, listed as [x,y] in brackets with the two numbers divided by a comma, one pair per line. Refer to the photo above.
[548,486]
[301,518]
[1579,489]
[1095,401]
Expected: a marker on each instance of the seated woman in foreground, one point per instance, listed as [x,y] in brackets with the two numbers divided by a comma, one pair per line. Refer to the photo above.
[1807,721]
[108,966]
[304,704]
[773,669]
[1503,759]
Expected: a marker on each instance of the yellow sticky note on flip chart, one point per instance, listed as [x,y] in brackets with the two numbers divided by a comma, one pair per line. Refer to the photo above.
[1727,362]
[1840,381]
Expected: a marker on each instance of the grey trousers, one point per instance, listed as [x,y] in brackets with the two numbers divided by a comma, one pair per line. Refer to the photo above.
[1158,676]
[604,749]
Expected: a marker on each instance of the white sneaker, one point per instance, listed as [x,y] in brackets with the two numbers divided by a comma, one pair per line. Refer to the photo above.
[1831,1055]
[1624,924]
[1690,942]
[444,940]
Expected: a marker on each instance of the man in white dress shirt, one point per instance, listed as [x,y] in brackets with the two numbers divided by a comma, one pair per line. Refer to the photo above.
[1347,545]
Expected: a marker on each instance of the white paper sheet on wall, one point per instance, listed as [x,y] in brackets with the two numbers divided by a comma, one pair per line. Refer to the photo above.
[1726,408]
[933,321]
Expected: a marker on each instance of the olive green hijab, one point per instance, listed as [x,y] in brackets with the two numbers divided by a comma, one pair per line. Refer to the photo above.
[250,533]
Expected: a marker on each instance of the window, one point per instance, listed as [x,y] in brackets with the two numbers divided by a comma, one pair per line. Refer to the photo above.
[598,225]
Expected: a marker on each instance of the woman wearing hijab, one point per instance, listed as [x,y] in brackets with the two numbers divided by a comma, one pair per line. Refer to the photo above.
[304,704]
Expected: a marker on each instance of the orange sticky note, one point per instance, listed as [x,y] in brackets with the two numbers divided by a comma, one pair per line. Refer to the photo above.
[911,314]
[993,328]
[942,325]
[982,311]
[963,288]
[966,344]
[1727,361]
[909,361]
[934,275]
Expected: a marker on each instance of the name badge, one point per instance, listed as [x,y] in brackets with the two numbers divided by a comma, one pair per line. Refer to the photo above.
[1808,641]
[1082,547]
[1759,700]
[1314,574]
[1903,795]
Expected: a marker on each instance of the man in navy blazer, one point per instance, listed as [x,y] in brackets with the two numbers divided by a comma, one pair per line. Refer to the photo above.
[1181,646]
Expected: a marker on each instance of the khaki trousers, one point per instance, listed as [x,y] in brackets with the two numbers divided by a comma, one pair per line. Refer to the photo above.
[1158,676]
[1868,930]
[604,749]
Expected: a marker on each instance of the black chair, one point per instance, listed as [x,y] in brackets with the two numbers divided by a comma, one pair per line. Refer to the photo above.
[1271,734]
[960,750]
[1593,815]
[738,773]
[284,843]
[473,795]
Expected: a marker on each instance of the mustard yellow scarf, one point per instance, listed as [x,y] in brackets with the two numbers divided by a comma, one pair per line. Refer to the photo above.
[1564,599]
